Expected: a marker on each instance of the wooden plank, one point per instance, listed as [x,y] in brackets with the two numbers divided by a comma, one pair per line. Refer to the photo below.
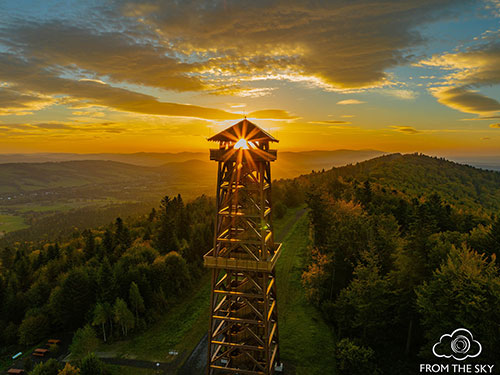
[242,346]
[236,370]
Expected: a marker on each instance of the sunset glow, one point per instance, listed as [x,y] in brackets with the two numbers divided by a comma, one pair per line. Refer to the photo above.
[242,143]
[156,76]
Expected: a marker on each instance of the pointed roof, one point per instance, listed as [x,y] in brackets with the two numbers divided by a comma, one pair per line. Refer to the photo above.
[243,129]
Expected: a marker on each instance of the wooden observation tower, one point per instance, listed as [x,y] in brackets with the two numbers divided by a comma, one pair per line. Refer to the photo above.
[243,334]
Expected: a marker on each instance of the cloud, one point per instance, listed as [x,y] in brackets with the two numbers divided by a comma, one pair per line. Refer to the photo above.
[344,45]
[465,100]
[51,125]
[401,94]
[477,66]
[245,92]
[406,129]
[350,101]
[89,113]
[330,122]
[56,127]
[127,54]
[343,127]
[29,76]
[114,54]
[272,114]
[92,80]
[21,103]
[495,126]
[480,118]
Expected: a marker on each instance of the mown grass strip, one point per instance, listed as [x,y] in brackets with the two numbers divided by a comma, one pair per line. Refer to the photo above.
[306,342]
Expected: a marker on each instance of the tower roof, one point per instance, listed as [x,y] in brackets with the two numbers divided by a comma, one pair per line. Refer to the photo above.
[243,129]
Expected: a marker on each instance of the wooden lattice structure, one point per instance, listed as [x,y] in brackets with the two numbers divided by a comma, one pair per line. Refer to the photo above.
[243,333]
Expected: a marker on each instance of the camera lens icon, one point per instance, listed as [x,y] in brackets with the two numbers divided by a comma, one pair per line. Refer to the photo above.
[460,344]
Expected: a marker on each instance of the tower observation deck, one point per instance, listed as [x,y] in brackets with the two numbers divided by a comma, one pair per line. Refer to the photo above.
[243,332]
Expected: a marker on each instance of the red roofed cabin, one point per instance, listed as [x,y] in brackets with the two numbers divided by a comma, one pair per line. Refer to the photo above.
[15,371]
[40,352]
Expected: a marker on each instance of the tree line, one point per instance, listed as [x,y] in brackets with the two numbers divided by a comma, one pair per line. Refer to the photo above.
[118,278]
[392,272]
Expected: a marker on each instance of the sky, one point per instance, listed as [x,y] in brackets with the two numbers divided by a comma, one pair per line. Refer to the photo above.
[163,76]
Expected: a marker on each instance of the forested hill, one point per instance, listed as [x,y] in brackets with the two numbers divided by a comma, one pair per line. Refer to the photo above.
[418,175]
[404,248]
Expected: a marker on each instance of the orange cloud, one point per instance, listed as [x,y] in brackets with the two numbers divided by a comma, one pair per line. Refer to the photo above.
[465,100]
[350,101]
[21,103]
[476,66]
[330,122]
[406,129]
[342,45]
[272,114]
[113,54]
[29,76]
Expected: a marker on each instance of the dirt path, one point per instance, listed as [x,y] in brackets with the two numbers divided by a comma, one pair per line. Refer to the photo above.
[197,360]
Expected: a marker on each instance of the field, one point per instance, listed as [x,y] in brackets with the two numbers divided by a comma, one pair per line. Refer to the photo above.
[125,370]
[61,205]
[19,216]
[9,223]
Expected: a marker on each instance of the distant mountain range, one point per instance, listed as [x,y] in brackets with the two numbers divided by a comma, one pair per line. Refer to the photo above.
[28,191]
[146,159]
[143,176]
[289,164]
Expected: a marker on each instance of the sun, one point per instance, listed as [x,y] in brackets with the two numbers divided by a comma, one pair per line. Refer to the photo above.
[242,143]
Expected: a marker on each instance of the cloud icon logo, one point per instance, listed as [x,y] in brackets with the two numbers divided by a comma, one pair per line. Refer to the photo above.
[458,345]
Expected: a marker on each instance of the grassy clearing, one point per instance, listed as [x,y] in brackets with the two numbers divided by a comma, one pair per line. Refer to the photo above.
[285,223]
[306,342]
[125,370]
[9,223]
[180,328]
